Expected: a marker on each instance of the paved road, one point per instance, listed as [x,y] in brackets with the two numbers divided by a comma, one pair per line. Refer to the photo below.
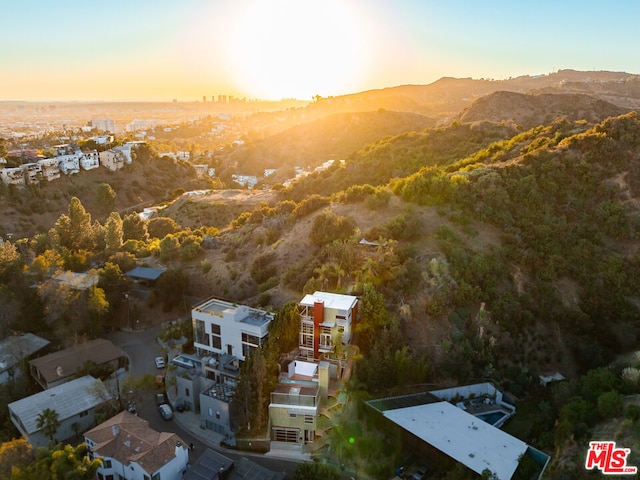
[141,347]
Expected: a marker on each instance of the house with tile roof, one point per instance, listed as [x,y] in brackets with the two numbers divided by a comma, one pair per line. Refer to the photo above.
[132,450]
[74,402]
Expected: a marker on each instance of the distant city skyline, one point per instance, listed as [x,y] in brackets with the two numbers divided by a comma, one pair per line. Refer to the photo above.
[272,49]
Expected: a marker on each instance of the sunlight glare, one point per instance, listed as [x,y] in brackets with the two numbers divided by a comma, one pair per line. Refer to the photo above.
[298,48]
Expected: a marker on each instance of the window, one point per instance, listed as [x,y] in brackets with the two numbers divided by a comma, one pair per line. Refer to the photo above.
[216,339]
[199,333]
[156,476]
[84,414]
[108,477]
[292,415]
[210,411]
[218,414]
[186,392]
[250,343]
[308,419]
[106,463]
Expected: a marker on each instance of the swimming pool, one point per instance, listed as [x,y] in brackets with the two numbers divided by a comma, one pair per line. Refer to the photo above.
[496,418]
[186,362]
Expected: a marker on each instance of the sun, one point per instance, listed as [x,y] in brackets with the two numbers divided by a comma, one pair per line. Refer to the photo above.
[297,48]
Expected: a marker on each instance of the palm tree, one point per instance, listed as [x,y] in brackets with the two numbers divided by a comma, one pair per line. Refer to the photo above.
[48,422]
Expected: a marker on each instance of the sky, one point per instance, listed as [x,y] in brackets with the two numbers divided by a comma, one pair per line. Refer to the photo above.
[159,50]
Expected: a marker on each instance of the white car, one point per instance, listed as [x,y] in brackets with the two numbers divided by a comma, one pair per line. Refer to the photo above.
[159,362]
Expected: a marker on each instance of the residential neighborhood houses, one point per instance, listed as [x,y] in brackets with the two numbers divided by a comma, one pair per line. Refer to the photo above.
[203,385]
[68,160]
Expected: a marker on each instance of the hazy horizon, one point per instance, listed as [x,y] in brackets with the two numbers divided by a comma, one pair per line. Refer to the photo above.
[269,50]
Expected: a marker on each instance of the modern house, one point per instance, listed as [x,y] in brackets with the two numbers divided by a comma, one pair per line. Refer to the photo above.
[324,318]
[456,425]
[296,402]
[50,168]
[131,450]
[12,176]
[60,367]
[221,327]
[207,385]
[16,348]
[90,160]
[74,402]
[113,159]
[212,465]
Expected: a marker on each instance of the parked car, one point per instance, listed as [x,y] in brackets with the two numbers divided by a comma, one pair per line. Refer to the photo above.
[165,411]
[160,399]
[159,362]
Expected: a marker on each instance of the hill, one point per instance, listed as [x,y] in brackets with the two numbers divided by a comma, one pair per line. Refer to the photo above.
[528,111]
[148,180]
[446,97]
[311,143]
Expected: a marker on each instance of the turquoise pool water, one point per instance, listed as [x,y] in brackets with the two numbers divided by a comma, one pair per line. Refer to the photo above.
[493,418]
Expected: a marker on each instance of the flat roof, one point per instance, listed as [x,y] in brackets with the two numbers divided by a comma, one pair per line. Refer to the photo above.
[336,301]
[461,436]
[242,313]
[145,273]
[68,399]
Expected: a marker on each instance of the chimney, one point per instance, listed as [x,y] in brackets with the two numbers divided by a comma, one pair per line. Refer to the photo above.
[115,429]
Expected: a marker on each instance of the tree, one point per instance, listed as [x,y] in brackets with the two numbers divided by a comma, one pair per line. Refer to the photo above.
[328,226]
[134,227]
[114,234]
[59,462]
[314,471]
[75,230]
[610,404]
[48,422]
[284,329]
[105,197]
[169,247]
[160,227]
[16,453]
[9,261]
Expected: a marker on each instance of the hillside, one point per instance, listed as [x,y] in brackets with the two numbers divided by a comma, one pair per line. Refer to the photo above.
[310,143]
[528,111]
[445,98]
[148,180]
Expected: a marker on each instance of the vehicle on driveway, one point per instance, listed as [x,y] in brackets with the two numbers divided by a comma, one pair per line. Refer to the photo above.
[159,362]
[160,399]
[165,411]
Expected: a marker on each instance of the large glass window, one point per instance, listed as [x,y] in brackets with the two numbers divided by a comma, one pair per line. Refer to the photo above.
[216,339]
[199,333]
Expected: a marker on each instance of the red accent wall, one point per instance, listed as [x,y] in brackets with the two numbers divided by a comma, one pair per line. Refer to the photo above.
[318,318]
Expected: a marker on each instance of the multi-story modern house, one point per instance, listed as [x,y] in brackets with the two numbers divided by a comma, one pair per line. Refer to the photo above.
[90,160]
[325,317]
[221,327]
[296,402]
[50,168]
[131,450]
[74,402]
[112,159]
[12,176]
